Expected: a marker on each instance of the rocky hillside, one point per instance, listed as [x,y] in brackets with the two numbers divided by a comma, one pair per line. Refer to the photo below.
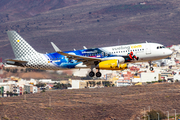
[73,24]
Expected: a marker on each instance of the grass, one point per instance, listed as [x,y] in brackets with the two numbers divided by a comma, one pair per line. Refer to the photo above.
[49,108]
[6,118]
[16,117]
[167,96]
[130,8]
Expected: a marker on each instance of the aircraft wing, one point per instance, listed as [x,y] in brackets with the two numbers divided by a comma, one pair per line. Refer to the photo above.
[77,57]
[84,59]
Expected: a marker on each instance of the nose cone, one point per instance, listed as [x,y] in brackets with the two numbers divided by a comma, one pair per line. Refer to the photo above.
[169,52]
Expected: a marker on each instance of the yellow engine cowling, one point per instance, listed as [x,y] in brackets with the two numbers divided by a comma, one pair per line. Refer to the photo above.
[111,65]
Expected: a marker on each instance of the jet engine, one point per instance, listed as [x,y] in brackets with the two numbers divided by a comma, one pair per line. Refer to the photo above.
[114,64]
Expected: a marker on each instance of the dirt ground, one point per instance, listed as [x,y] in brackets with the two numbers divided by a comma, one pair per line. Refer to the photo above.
[118,103]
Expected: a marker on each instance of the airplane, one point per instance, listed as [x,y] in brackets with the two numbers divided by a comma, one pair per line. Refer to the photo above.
[105,58]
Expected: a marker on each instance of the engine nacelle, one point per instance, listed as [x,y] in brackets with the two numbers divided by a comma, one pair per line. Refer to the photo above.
[111,65]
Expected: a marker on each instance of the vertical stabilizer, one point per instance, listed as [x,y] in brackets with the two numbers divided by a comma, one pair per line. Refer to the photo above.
[20,47]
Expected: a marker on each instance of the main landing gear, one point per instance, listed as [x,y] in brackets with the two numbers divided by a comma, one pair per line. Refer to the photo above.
[91,74]
[150,64]
[98,74]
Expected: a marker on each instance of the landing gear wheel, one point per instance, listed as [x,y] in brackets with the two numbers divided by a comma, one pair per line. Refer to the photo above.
[91,74]
[98,74]
[150,64]
[151,68]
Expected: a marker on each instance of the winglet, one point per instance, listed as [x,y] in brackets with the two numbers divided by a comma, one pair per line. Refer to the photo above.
[84,47]
[55,47]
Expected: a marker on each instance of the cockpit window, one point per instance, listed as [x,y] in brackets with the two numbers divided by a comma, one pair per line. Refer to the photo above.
[160,47]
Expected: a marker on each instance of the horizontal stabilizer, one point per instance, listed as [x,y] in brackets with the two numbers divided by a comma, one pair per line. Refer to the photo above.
[55,47]
[19,61]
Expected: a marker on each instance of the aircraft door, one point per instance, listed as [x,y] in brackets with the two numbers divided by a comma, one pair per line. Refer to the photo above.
[148,48]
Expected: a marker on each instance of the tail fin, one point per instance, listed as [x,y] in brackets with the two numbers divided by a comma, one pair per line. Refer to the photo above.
[20,47]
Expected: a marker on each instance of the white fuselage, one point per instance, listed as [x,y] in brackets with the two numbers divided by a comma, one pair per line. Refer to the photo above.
[145,51]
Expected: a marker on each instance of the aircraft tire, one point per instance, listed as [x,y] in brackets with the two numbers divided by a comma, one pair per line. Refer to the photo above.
[98,74]
[151,68]
[91,74]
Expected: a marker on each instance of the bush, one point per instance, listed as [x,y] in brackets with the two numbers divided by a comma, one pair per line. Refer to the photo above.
[43,90]
[154,116]
[25,92]
[160,80]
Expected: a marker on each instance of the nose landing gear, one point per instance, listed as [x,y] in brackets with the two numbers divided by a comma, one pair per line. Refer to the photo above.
[150,64]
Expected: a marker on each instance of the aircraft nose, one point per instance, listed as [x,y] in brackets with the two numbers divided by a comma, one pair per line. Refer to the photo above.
[169,52]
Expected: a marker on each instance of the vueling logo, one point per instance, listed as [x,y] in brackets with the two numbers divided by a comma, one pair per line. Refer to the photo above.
[136,46]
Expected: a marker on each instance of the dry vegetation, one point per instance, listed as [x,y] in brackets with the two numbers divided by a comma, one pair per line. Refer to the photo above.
[121,103]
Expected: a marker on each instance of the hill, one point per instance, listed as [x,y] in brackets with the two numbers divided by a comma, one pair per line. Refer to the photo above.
[122,103]
[73,24]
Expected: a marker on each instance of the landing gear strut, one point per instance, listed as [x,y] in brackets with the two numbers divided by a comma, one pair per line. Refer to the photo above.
[151,68]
